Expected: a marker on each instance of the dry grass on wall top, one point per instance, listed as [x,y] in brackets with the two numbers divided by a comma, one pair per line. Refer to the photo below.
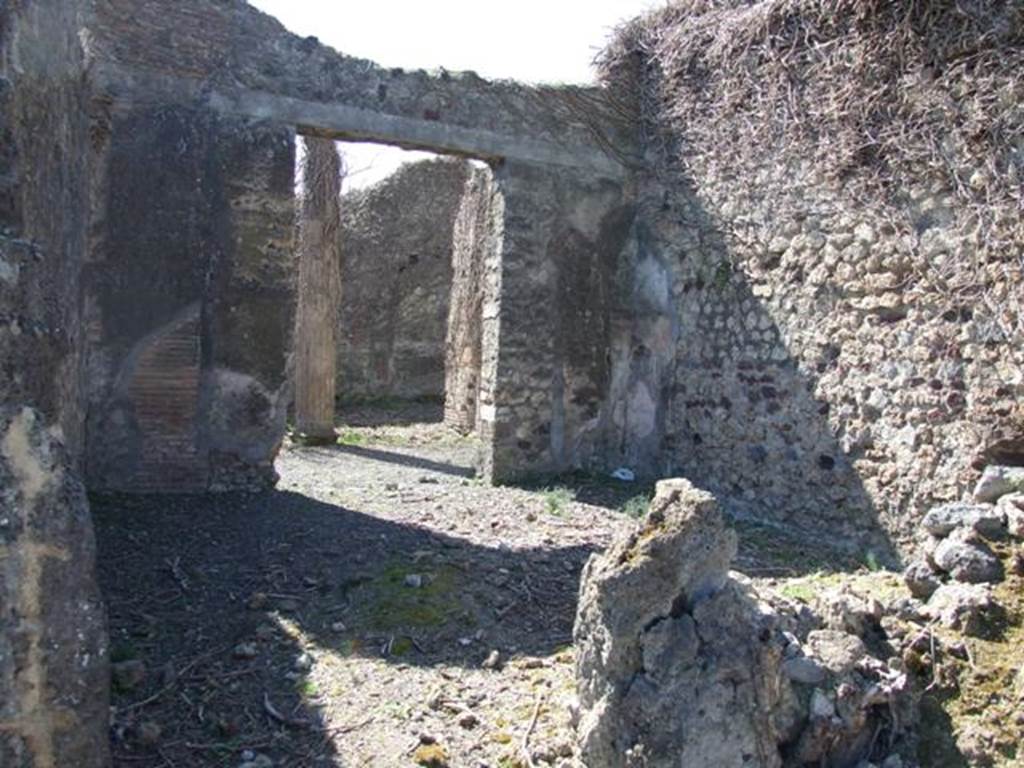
[877,97]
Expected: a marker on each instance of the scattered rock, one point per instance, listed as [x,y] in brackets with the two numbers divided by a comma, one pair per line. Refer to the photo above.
[431,756]
[468,720]
[1012,508]
[837,651]
[148,733]
[804,671]
[493,660]
[258,761]
[413,580]
[921,580]
[1017,563]
[986,519]
[303,662]
[126,675]
[997,481]
[680,663]
[989,521]
[967,560]
[245,651]
[965,607]
[257,601]
[339,627]
[288,605]
[849,612]
[821,705]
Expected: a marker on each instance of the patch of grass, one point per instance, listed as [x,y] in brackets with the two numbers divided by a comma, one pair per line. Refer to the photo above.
[806,588]
[307,688]
[398,710]
[386,603]
[871,561]
[401,646]
[636,506]
[986,699]
[352,437]
[556,499]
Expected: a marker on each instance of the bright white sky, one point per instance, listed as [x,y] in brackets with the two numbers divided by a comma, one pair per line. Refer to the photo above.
[530,40]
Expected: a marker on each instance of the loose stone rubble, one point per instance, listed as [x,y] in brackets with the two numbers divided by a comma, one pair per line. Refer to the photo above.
[956,562]
[681,663]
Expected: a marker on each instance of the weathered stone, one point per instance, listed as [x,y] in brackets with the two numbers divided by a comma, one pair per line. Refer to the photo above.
[850,612]
[654,610]
[188,386]
[920,579]
[1012,508]
[54,676]
[943,520]
[835,650]
[474,302]
[999,481]
[968,608]
[967,559]
[804,671]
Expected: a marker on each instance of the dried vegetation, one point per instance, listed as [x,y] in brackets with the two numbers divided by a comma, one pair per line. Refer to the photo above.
[888,102]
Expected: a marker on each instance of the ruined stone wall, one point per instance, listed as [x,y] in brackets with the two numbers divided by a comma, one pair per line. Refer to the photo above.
[396,278]
[53,668]
[190,296]
[543,401]
[820,365]
[249,63]
[473,310]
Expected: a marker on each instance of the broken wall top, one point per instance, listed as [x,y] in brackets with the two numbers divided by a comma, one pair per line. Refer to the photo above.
[241,60]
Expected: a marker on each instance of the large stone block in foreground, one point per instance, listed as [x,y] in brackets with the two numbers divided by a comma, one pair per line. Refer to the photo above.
[53,649]
[676,667]
[681,664]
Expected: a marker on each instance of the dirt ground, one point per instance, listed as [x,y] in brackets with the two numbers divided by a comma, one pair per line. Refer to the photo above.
[381,607]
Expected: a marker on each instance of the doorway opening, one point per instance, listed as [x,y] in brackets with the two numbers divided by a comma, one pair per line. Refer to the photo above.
[417,250]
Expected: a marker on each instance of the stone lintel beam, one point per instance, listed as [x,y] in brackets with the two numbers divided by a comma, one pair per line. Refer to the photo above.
[348,123]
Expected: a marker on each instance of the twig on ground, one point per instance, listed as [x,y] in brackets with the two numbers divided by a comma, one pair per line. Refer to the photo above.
[525,747]
[275,714]
[174,681]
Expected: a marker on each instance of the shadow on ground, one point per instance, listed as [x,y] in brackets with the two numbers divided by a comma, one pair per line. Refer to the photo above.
[217,595]
[407,460]
[391,412]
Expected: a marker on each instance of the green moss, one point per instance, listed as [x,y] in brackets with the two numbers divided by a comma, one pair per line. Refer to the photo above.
[636,506]
[387,603]
[985,698]
[884,585]
[352,437]
[401,646]
[556,499]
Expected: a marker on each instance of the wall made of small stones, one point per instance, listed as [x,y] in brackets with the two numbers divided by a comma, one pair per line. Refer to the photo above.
[820,379]
[544,405]
[396,279]
[473,310]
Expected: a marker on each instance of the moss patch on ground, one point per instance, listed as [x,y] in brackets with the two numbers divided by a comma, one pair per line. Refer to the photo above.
[984,710]
[387,603]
